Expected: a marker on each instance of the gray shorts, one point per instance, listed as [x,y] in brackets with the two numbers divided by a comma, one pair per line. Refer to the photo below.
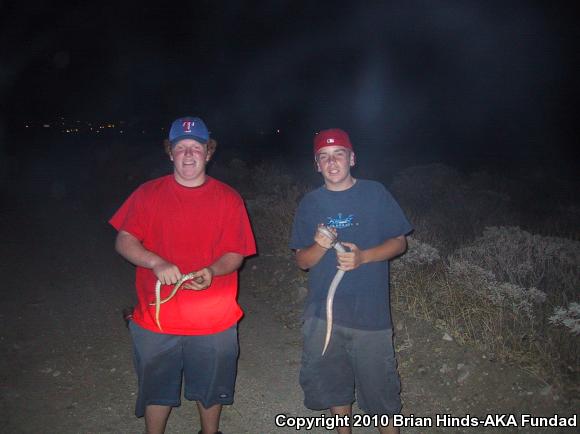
[361,361]
[207,364]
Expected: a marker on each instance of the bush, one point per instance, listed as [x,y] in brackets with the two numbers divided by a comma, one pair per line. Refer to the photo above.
[272,218]
[470,269]
[272,208]
[486,293]
[529,260]
[448,209]
[567,317]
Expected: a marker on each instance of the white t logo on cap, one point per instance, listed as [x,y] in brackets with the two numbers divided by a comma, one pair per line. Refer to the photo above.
[329,140]
[187,126]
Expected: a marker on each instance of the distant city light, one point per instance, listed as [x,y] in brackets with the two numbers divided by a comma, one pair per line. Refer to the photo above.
[64,125]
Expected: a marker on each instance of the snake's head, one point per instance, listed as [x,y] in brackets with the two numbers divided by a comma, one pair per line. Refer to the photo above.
[328,234]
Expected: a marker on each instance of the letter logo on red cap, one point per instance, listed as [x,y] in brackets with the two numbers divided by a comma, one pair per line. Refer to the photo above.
[329,140]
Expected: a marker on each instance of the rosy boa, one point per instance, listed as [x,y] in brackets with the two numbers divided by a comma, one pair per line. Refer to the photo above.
[333,285]
[159,301]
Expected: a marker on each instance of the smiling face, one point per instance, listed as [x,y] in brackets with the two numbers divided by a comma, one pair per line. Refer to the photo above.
[334,163]
[189,160]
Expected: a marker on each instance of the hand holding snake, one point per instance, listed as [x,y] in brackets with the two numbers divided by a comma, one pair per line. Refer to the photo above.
[168,273]
[331,235]
[348,261]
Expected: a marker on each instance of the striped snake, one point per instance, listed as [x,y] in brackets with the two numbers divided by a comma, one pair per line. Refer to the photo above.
[333,285]
[158,301]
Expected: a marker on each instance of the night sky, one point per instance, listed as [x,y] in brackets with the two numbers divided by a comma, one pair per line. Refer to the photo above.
[475,78]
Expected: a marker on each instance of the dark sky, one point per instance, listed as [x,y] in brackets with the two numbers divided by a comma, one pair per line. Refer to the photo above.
[411,76]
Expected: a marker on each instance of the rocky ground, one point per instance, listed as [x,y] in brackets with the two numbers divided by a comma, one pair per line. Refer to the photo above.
[67,367]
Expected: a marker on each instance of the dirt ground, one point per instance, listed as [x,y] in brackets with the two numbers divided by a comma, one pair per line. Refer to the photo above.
[66,364]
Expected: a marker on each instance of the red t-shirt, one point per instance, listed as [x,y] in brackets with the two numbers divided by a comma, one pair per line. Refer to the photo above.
[191,228]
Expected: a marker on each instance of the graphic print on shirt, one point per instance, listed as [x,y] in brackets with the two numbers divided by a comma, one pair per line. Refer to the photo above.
[340,222]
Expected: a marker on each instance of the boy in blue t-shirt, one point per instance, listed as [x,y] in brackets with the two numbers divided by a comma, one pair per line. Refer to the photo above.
[368,221]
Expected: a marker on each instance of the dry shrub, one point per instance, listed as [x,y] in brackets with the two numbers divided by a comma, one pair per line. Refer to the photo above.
[510,292]
[525,259]
[449,209]
[458,303]
[413,278]
[487,294]
[567,317]
[276,198]
[271,180]
[271,195]
[234,172]
[517,299]
[419,253]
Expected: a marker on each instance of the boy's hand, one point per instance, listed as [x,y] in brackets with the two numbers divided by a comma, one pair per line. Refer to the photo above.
[322,240]
[349,260]
[201,280]
[166,272]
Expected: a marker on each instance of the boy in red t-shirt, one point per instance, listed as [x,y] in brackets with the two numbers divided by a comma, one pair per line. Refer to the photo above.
[186,222]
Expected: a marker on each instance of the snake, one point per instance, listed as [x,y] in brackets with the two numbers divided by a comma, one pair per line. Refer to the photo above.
[333,285]
[158,301]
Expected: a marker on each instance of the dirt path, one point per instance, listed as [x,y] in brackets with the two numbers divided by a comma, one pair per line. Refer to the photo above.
[67,368]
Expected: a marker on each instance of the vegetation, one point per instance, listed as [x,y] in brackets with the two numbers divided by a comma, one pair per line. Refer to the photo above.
[493,261]
[471,268]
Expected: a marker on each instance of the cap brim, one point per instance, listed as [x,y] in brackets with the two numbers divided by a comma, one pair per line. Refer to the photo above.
[189,136]
[343,145]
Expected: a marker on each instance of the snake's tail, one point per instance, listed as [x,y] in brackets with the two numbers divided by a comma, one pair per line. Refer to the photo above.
[158,304]
[157,312]
[328,324]
[165,300]
[329,303]
[333,285]
[327,339]
[159,301]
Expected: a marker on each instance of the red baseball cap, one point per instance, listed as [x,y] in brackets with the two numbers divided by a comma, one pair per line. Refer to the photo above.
[331,137]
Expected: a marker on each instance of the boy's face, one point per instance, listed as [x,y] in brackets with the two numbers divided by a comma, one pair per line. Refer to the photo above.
[189,160]
[334,163]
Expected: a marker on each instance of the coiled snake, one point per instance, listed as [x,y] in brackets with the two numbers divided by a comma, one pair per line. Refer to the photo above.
[333,285]
[158,301]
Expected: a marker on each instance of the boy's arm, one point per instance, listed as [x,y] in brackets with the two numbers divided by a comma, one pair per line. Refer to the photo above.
[226,264]
[387,250]
[311,255]
[133,251]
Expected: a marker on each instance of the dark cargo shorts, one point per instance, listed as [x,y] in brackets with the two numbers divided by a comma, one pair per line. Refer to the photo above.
[207,364]
[356,361]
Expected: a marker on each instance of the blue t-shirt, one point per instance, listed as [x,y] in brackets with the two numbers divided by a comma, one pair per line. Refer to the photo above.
[367,215]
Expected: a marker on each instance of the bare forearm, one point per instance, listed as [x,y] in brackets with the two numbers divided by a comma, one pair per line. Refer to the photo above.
[389,249]
[227,264]
[310,256]
[133,251]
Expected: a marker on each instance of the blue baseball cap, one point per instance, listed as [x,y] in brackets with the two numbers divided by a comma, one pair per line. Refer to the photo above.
[188,128]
